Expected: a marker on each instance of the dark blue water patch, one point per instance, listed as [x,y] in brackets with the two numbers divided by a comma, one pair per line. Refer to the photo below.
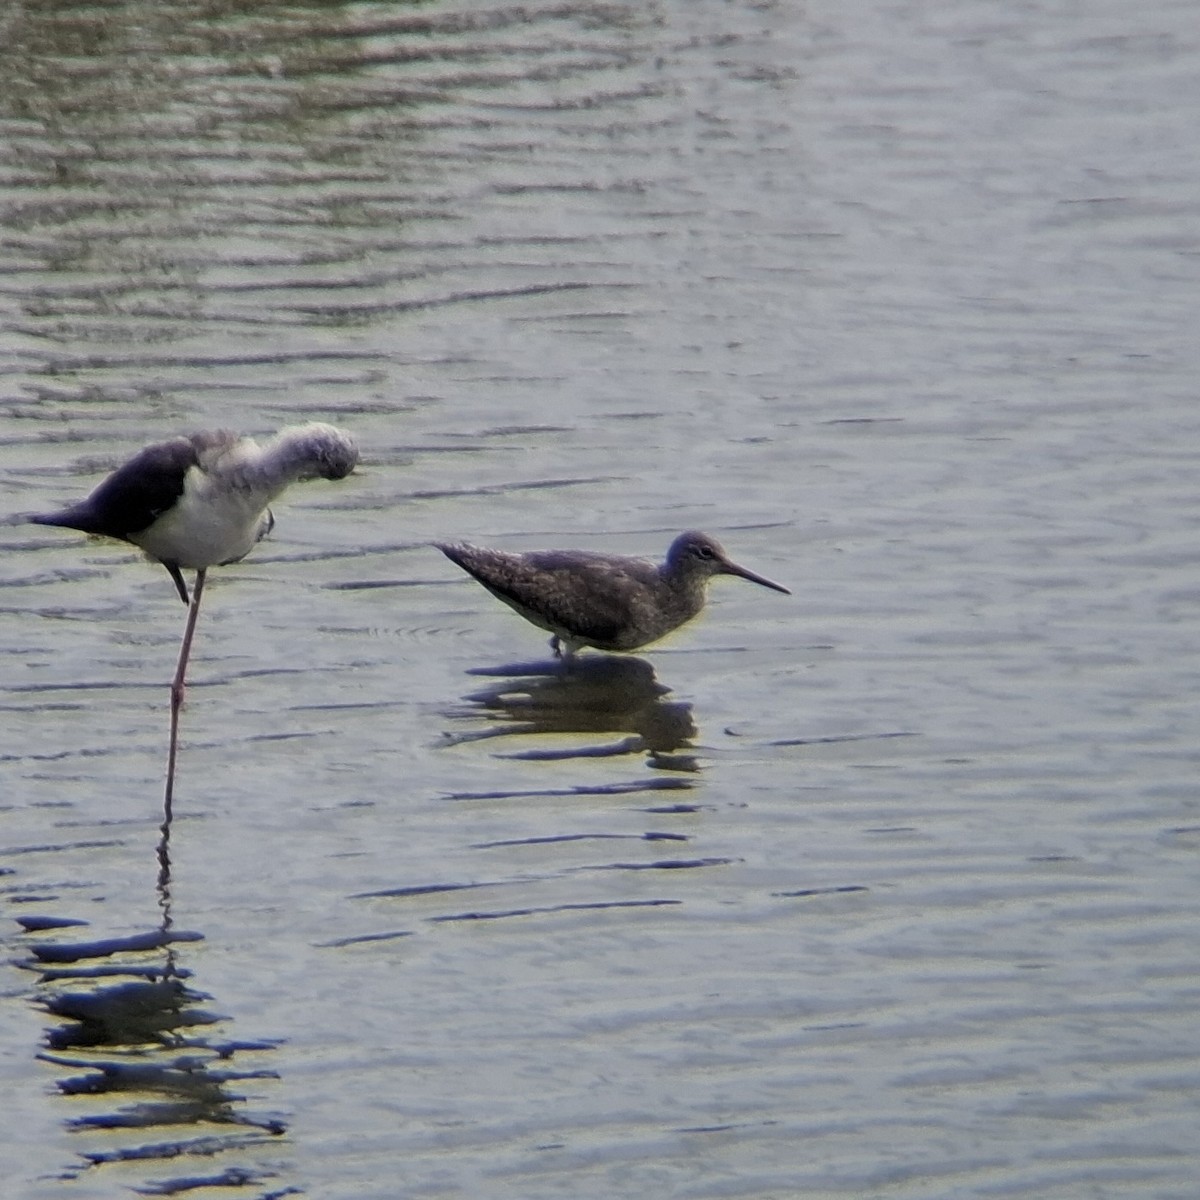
[545,666]
[137,995]
[150,971]
[823,891]
[363,310]
[861,421]
[79,685]
[838,738]
[134,1013]
[519,430]
[330,553]
[139,1058]
[609,789]
[598,669]
[38,924]
[725,1128]
[626,746]
[62,363]
[520,485]
[227,1048]
[231,1177]
[554,908]
[61,706]
[420,889]
[366,585]
[358,939]
[288,735]
[357,706]
[49,890]
[45,577]
[551,839]
[59,756]
[199,1147]
[155,939]
[181,1077]
[662,864]
[59,847]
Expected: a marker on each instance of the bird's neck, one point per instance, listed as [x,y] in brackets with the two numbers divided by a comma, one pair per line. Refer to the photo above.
[688,587]
[269,469]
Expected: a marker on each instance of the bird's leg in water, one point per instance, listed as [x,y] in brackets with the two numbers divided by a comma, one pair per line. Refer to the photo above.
[177,686]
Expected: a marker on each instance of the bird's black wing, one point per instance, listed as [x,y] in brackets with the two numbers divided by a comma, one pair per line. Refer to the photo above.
[135,494]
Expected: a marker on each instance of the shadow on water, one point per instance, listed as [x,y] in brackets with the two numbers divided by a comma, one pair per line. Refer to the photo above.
[592,695]
[141,1045]
[558,872]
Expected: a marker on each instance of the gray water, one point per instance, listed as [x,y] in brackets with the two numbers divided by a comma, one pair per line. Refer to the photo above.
[885,889]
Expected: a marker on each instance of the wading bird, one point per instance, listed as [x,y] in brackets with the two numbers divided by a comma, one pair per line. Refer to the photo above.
[609,601]
[199,501]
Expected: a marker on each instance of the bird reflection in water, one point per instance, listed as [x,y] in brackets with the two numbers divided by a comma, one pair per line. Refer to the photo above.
[138,1039]
[599,695]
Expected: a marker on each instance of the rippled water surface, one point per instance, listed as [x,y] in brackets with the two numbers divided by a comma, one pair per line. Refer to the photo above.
[884,889]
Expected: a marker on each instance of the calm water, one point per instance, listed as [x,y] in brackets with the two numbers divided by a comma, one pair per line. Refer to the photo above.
[886,889]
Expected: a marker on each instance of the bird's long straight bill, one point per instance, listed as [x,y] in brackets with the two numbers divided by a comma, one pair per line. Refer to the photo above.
[734,569]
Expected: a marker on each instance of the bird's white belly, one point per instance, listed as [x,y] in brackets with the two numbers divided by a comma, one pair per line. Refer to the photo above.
[206,526]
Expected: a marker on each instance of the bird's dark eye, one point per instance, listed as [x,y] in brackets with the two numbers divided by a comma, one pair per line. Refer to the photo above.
[703,551]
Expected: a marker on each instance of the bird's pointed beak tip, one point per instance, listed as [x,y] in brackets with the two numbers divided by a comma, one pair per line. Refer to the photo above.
[761,580]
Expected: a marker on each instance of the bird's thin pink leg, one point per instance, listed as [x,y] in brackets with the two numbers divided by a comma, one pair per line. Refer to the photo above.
[177,687]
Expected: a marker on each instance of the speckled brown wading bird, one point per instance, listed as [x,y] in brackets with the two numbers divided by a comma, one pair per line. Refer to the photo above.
[609,601]
[199,501]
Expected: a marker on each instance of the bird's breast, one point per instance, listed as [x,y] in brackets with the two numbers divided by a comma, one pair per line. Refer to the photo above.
[211,523]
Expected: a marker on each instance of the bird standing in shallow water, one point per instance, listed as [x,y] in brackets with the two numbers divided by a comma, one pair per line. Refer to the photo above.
[609,601]
[199,501]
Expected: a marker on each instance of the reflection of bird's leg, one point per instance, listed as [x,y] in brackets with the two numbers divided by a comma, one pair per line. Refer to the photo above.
[177,684]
